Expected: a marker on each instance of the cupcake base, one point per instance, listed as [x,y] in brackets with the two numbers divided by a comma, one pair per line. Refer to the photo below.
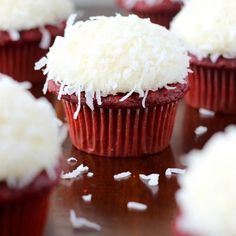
[213,86]
[161,18]
[123,129]
[23,212]
[160,13]
[121,132]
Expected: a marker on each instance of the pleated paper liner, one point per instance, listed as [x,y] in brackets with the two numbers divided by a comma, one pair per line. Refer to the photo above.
[18,58]
[212,88]
[121,132]
[23,212]
[25,217]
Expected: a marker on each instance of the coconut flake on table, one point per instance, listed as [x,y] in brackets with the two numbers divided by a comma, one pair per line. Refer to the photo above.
[46,38]
[200,130]
[87,198]
[136,206]
[123,175]
[171,171]
[90,174]
[206,113]
[82,223]
[75,173]
[14,35]
[151,180]
[72,160]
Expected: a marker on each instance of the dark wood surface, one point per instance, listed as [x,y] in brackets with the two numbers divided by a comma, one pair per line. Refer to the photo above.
[109,197]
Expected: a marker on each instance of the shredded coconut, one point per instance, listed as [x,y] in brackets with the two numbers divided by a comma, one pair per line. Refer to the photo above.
[136,206]
[28,124]
[72,160]
[206,113]
[90,174]
[46,38]
[75,173]
[152,179]
[207,195]
[200,130]
[14,35]
[109,55]
[87,198]
[171,171]
[123,175]
[82,223]
[27,14]
[216,28]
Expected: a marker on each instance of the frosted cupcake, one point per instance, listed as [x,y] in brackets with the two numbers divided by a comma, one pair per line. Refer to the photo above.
[29,156]
[159,11]
[207,195]
[120,79]
[27,29]
[210,36]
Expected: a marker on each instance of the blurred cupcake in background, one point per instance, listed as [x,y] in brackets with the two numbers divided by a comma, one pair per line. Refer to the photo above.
[159,11]
[29,155]
[206,198]
[27,29]
[120,79]
[210,36]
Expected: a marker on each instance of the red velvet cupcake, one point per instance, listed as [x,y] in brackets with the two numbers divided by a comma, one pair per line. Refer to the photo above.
[26,32]
[206,198]
[213,53]
[120,92]
[29,155]
[159,11]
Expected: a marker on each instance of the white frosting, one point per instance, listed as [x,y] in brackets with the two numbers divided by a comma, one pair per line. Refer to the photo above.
[208,27]
[27,14]
[208,192]
[108,55]
[30,138]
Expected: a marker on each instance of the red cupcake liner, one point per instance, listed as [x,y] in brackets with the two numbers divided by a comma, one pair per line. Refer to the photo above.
[26,217]
[18,60]
[121,132]
[23,212]
[212,88]
[162,18]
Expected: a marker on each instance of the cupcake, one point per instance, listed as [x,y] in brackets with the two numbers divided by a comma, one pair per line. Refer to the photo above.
[120,79]
[29,156]
[159,11]
[210,36]
[27,29]
[207,196]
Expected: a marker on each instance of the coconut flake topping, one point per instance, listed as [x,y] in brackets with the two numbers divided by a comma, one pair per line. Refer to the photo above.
[28,14]
[30,139]
[109,55]
[82,223]
[137,206]
[208,31]
[207,195]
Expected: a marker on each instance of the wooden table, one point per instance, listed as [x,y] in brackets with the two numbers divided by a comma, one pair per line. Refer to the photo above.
[109,197]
